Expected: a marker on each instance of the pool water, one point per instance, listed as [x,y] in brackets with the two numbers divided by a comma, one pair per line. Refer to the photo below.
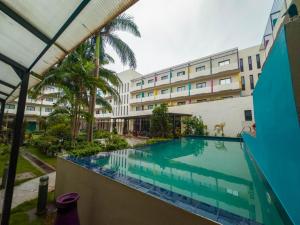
[213,178]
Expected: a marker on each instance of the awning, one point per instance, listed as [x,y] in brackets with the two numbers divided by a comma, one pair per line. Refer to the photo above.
[35,35]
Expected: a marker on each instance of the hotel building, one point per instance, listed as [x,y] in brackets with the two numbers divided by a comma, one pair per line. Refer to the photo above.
[217,87]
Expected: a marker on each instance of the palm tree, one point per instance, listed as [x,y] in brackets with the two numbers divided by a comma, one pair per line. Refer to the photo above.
[75,80]
[107,36]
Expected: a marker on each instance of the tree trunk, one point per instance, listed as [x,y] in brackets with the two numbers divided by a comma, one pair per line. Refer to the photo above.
[92,102]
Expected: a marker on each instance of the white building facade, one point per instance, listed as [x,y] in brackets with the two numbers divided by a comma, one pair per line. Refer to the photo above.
[217,87]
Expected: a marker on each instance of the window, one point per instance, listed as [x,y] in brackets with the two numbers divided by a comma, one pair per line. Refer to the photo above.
[164,77]
[250,62]
[150,93]
[139,108]
[201,85]
[10,106]
[138,95]
[259,75]
[165,91]
[150,106]
[200,68]
[30,108]
[150,81]
[49,99]
[242,65]
[180,103]
[179,89]
[224,63]
[48,110]
[225,81]
[248,115]
[251,82]
[243,83]
[258,61]
[139,84]
[181,73]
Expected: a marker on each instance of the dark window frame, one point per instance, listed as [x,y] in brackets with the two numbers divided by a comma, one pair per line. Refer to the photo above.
[248,115]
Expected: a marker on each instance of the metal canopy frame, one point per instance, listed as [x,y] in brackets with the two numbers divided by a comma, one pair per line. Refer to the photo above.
[19,75]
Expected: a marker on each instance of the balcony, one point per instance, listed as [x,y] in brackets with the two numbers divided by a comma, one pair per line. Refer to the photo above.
[179,94]
[135,100]
[147,85]
[220,69]
[179,78]
[199,91]
[148,99]
[135,88]
[162,82]
[162,96]
[200,74]
[227,87]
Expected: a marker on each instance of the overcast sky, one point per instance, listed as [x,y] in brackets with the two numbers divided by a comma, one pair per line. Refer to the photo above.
[176,31]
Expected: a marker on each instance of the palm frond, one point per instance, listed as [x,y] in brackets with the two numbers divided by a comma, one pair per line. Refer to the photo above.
[125,53]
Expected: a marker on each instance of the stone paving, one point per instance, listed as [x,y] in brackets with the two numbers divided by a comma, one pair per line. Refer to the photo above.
[28,190]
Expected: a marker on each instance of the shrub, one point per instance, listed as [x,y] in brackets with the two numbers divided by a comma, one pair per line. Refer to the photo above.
[160,122]
[87,150]
[115,142]
[99,134]
[194,126]
[4,149]
[60,130]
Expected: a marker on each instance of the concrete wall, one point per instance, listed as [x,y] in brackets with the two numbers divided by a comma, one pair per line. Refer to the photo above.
[229,111]
[107,202]
[276,147]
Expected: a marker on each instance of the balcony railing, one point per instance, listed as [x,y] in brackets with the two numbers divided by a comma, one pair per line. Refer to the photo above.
[162,96]
[225,87]
[135,100]
[179,78]
[200,74]
[162,82]
[198,91]
[229,67]
[179,94]
[148,98]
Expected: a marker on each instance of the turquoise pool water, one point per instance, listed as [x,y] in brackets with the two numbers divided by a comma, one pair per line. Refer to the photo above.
[216,174]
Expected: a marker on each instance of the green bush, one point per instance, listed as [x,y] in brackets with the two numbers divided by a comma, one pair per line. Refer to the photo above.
[115,142]
[194,126]
[160,122]
[60,130]
[87,150]
[99,134]
[4,149]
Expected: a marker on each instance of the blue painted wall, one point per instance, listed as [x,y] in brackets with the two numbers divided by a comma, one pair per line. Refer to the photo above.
[276,147]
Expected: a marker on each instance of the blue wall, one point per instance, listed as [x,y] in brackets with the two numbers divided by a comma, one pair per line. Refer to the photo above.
[276,147]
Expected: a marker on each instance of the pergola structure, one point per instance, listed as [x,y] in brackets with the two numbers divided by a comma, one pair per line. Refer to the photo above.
[34,36]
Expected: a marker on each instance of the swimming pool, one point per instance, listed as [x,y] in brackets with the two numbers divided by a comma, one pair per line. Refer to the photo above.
[213,178]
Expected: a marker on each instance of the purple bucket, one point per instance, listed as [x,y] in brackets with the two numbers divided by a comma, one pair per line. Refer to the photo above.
[67,209]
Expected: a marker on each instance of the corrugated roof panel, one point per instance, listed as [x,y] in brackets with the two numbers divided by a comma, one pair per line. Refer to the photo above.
[17,43]
[53,55]
[46,15]
[95,15]
[8,75]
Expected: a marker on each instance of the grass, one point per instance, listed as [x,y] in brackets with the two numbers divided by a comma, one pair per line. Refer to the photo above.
[22,167]
[19,215]
[36,152]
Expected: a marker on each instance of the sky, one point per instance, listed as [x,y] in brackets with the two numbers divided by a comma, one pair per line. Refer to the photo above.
[177,31]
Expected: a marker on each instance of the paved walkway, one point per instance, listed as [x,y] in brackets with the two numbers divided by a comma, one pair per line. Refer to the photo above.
[134,141]
[28,190]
